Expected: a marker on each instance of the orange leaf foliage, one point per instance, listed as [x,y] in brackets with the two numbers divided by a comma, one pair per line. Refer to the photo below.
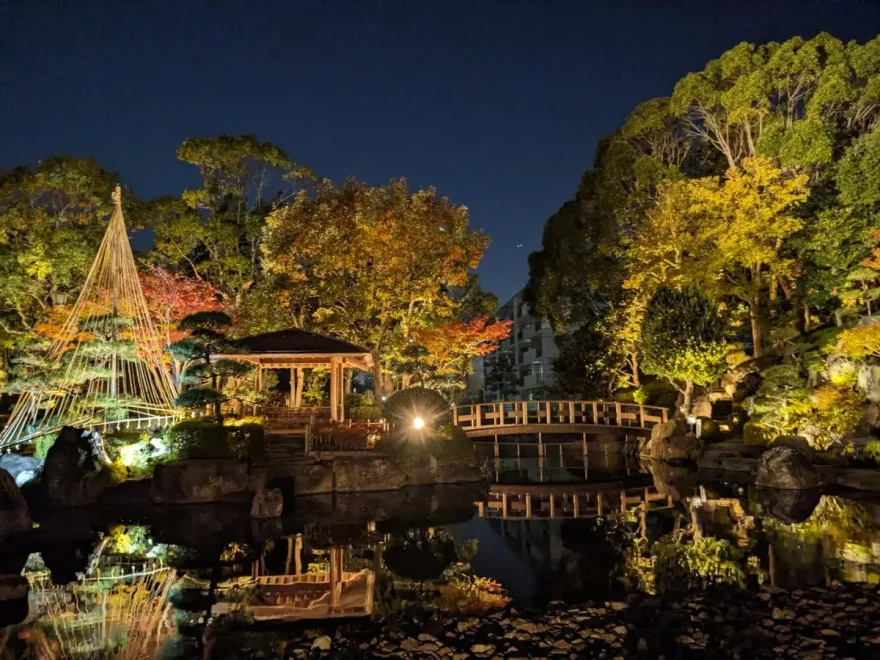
[173,296]
[452,344]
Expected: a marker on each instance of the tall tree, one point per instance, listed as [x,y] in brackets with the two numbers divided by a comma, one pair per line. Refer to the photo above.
[215,231]
[747,218]
[377,263]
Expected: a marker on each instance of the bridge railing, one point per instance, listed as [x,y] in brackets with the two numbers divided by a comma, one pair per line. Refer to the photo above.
[522,413]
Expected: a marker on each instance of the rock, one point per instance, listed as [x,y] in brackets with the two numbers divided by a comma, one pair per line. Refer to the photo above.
[267,504]
[857,479]
[786,469]
[72,474]
[702,407]
[312,478]
[796,442]
[22,468]
[14,514]
[365,474]
[789,506]
[198,480]
[14,590]
[677,448]
[870,419]
[455,474]
[322,643]
[482,648]
[675,481]
[868,382]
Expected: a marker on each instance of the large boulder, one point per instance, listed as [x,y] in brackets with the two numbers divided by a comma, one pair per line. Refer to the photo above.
[786,468]
[869,382]
[72,473]
[22,468]
[788,506]
[14,514]
[796,442]
[198,480]
[672,441]
[702,407]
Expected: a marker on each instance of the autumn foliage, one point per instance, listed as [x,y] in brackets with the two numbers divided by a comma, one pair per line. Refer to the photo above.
[174,296]
[452,346]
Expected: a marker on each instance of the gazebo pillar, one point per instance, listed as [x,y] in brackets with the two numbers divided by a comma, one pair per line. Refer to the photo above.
[334,389]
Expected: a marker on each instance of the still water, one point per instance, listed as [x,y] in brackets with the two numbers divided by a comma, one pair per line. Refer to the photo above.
[554,525]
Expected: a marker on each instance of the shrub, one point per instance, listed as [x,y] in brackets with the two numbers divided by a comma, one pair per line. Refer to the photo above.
[365,413]
[872,451]
[450,446]
[649,393]
[755,434]
[42,445]
[198,439]
[402,406]
[625,395]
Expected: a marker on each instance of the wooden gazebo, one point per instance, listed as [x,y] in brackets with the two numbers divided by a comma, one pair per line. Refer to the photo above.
[297,350]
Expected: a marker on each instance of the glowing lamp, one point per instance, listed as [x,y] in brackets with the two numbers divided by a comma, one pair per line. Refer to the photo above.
[418,423]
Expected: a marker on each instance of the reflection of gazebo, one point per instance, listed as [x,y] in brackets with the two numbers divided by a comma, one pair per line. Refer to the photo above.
[297,350]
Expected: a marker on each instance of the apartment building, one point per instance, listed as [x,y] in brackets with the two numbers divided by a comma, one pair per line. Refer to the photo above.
[526,356]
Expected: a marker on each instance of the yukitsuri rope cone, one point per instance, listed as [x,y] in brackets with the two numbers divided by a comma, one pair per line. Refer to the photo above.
[115,612]
[106,368]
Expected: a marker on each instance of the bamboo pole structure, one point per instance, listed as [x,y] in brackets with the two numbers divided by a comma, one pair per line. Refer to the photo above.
[106,366]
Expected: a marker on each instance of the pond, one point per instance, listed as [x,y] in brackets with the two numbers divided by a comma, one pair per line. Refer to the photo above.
[561,526]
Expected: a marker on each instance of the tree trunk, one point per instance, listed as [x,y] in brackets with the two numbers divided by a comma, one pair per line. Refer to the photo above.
[634,364]
[378,380]
[755,318]
[687,397]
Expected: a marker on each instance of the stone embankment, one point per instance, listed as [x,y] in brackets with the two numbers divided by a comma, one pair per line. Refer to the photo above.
[810,624]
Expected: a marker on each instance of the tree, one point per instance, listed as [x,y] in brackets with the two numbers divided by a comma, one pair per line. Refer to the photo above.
[501,375]
[204,375]
[215,231]
[171,298]
[51,222]
[684,340]
[451,347]
[376,263]
[747,219]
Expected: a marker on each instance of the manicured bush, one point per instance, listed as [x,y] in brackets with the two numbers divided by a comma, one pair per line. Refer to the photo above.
[450,446]
[710,430]
[365,413]
[404,405]
[625,395]
[199,438]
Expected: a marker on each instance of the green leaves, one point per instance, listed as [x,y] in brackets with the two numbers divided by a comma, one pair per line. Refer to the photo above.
[684,338]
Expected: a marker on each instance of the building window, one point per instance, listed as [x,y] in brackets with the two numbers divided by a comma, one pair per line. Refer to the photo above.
[538,370]
[538,325]
[520,310]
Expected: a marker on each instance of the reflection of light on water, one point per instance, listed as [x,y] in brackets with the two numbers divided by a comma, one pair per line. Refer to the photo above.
[116,611]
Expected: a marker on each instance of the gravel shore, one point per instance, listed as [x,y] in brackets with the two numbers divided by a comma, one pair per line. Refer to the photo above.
[833,622]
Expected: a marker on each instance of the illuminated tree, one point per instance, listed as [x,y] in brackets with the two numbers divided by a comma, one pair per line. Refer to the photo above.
[684,340]
[205,376]
[748,217]
[171,298]
[378,263]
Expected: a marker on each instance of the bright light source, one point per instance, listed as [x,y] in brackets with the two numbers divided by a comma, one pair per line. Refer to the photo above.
[384,398]
[692,420]
[418,423]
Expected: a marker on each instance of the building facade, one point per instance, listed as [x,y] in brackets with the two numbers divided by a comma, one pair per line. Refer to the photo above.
[522,366]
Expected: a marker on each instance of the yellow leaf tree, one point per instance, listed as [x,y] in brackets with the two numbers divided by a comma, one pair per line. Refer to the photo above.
[746,219]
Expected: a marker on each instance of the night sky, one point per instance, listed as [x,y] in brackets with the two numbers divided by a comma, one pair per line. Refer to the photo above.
[499,105]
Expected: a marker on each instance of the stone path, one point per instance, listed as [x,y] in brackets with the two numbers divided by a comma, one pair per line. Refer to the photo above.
[841,622]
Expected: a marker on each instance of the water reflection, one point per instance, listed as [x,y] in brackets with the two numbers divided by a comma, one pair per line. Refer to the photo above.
[138,584]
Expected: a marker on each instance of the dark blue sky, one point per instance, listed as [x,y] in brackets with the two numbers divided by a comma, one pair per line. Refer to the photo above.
[498,104]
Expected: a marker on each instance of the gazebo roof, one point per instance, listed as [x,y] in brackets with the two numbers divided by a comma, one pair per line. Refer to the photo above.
[295,347]
[294,341]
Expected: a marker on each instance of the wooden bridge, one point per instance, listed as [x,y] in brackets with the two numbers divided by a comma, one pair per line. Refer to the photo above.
[510,417]
[564,501]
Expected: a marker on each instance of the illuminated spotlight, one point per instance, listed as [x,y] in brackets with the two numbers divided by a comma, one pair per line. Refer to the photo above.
[418,423]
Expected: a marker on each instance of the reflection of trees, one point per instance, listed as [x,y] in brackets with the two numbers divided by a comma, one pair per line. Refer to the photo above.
[837,531]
